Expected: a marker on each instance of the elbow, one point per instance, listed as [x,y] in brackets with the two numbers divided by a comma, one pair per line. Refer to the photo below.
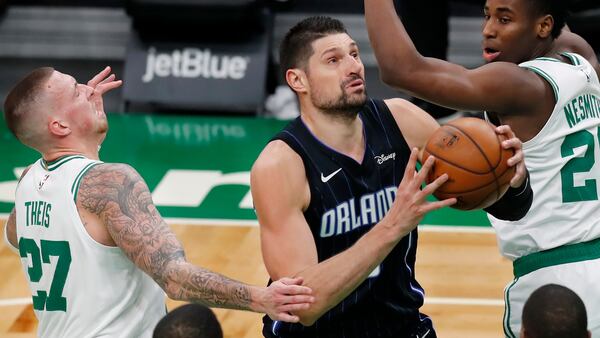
[308,317]
[172,289]
[315,311]
[307,321]
[172,286]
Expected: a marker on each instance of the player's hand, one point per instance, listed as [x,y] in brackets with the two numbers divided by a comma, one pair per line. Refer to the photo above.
[518,159]
[411,205]
[285,296]
[102,83]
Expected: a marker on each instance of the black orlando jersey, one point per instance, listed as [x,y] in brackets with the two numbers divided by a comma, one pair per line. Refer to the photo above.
[347,199]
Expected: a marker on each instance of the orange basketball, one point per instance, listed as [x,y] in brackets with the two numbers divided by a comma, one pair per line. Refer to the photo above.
[470,152]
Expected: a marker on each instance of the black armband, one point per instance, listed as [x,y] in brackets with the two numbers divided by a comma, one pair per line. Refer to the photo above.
[515,203]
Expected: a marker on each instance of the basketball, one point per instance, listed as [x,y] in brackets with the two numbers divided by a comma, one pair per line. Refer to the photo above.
[470,152]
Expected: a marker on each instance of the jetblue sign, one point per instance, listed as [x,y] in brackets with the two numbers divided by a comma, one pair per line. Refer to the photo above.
[216,76]
[194,63]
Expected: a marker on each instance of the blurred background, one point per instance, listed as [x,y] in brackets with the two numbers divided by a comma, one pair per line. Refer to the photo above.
[205,56]
[202,96]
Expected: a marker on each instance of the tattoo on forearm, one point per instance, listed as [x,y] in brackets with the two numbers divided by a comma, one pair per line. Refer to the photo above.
[120,197]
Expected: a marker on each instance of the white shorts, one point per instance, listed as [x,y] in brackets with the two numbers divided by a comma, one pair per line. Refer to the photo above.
[582,277]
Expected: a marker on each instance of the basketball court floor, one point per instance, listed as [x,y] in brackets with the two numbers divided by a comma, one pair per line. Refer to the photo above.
[459,267]
[197,169]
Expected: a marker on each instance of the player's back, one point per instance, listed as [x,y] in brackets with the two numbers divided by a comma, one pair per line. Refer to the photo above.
[80,288]
[563,163]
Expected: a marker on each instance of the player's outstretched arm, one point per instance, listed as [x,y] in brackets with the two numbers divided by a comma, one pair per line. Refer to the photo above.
[281,194]
[118,195]
[447,84]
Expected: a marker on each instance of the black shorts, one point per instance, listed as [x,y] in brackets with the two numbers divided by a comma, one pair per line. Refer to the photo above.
[424,329]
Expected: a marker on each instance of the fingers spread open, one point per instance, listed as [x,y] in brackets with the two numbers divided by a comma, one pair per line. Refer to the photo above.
[112,77]
[105,87]
[433,186]
[99,77]
[409,170]
[420,178]
[427,207]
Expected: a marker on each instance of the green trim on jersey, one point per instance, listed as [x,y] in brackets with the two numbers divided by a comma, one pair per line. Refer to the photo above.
[75,186]
[548,78]
[561,255]
[548,59]
[53,165]
[508,332]
[574,59]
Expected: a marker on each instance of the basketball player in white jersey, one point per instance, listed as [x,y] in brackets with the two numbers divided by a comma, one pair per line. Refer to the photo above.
[543,82]
[98,256]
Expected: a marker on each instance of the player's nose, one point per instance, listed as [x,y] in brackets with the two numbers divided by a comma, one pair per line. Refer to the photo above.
[488,30]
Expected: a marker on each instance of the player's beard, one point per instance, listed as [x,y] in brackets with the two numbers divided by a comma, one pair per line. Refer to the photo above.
[345,105]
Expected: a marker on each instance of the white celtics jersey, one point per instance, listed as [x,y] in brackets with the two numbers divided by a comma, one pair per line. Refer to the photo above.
[80,287]
[563,160]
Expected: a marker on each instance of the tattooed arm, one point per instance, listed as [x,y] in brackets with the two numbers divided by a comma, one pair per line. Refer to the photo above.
[119,197]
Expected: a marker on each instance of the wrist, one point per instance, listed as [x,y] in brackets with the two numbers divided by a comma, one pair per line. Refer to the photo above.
[520,189]
[256,299]
[388,233]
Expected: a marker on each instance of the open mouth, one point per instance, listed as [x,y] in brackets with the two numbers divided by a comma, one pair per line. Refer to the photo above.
[490,54]
[355,84]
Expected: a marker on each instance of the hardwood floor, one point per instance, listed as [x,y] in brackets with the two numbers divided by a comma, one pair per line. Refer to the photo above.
[462,273]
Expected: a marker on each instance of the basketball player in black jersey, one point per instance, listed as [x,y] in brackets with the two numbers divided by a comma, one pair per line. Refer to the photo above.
[338,197]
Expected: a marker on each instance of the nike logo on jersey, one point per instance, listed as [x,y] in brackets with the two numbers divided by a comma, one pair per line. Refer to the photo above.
[587,75]
[324,179]
[41,184]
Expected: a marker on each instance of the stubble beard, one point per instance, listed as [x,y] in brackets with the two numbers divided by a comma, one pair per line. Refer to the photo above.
[344,106]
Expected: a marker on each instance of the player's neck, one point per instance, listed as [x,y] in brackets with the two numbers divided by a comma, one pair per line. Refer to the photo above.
[345,135]
[59,151]
[546,49]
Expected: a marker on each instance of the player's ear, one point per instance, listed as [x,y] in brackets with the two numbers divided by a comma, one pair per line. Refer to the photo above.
[296,79]
[59,128]
[545,25]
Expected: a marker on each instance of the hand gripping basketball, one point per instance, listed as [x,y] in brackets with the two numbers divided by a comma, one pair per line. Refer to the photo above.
[472,154]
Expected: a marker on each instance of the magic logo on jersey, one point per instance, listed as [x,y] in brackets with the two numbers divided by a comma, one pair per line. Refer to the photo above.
[351,214]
